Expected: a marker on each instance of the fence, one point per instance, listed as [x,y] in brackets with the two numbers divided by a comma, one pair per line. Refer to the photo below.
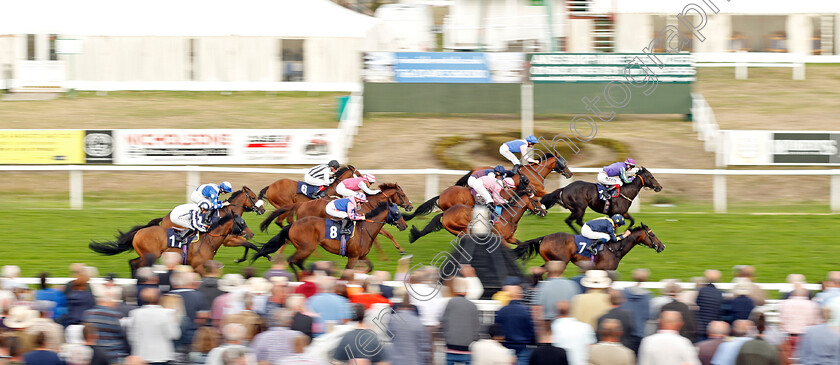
[432,176]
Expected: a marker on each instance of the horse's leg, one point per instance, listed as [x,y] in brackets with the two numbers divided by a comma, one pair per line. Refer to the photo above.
[379,249]
[391,237]
[351,262]
[569,221]
[369,263]
[632,221]
[133,265]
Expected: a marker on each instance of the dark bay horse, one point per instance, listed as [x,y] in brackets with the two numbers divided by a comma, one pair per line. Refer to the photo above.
[535,172]
[229,230]
[457,219]
[580,194]
[240,201]
[561,246]
[307,233]
[459,194]
[389,192]
[283,192]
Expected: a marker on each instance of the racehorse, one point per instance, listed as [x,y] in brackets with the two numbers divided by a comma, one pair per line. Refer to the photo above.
[283,192]
[561,246]
[461,194]
[230,230]
[309,232]
[580,194]
[535,172]
[239,202]
[457,219]
[389,192]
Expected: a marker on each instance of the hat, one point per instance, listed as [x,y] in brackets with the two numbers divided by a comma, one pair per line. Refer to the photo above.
[596,279]
[231,282]
[258,285]
[742,287]
[308,289]
[20,317]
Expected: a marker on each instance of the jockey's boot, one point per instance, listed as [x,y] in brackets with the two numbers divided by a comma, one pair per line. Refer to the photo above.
[516,168]
[182,236]
[346,226]
[322,190]
[593,248]
[615,190]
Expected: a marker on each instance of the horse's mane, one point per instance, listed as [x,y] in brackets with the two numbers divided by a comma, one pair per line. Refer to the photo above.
[221,221]
[384,186]
[235,194]
[379,209]
[545,157]
[342,170]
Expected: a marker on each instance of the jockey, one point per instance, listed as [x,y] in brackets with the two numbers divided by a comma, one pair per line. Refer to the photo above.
[321,175]
[350,187]
[191,217]
[345,208]
[211,192]
[618,174]
[477,182]
[520,146]
[602,230]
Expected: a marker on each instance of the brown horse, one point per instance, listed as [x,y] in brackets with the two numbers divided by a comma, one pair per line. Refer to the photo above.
[535,172]
[283,192]
[229,230]
[457,219]
[580,194]
[389,192]
[457,194]
[562,247]
[309,232]
[239,202]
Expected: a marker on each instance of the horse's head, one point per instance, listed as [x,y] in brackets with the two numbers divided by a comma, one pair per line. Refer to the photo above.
[395,218]
[240,228]
[247,199]
[649,239]
[532,203]
[562,167]
[397,195]
[648,181]
[347,172]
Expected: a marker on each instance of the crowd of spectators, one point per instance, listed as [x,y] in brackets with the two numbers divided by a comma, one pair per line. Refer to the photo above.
[174,316]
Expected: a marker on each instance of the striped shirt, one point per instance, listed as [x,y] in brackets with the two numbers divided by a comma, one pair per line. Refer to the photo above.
[111,336]
[275,344]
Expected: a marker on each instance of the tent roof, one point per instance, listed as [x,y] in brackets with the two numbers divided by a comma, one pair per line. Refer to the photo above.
[272,18]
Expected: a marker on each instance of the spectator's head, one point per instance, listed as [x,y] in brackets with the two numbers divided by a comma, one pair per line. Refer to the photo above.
[43,277]
[295,302]
[610,330]
[742,287]
[759,320]
[278,262]
[748,272]
[596,280]
[11,271]
[496,331]
[150,295]
[382,276]
[514,291]
[145,275]
[282,318]
[672,288]
[213,268]
[231,282]
[717,329]
[234,356]
[180,280]
[641,275]
[326,284]
[832,279]
[372,285]
[741,327]
[249,272]
[563,308]
[796,279]
[300,343]
[357,311]
[670,320]
[616,297]
[234,332]
[170,259]
[712,276]
[109,296]
[555,268]
[459,286]
[205,339]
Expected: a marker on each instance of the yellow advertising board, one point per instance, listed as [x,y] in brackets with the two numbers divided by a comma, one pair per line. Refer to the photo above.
[42,146]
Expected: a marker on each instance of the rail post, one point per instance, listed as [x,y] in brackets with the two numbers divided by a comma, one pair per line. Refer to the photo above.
[636,204]
[719,192]
[835,191]
[76,190]
[193,181]
[431,184]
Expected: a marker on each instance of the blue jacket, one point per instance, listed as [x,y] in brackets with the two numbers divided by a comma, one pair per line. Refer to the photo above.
[211,192]
[515,319]
[603,225]
[515,146]
[341,204]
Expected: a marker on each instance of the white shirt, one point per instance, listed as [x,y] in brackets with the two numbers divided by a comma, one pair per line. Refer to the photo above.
[667,348]
[490,352]
[575,337]
[153,328]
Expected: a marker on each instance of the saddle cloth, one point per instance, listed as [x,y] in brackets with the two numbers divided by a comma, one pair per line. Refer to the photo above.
[309,190]
[172,238]
[332,230]
[581,243]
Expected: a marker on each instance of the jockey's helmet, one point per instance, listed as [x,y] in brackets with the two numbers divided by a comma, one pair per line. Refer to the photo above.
[618,220]
[499,169]
[225,187]
[369,178]
[630,163]
[334,164]
[204,205]
[360,197]
[509,182]
[531,140]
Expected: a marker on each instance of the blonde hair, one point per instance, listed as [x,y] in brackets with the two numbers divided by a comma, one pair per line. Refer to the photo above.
[206,339]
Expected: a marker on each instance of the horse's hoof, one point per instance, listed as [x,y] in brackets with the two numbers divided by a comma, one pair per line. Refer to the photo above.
[268,257]
[238,260]
[403,252]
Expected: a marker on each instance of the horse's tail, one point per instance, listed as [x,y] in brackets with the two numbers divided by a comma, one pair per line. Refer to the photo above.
[124,241]
[463,180]
[525,250]
[271,217]
[274,244]
[552,198]
[262,192]
[433,226]
[423,209]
